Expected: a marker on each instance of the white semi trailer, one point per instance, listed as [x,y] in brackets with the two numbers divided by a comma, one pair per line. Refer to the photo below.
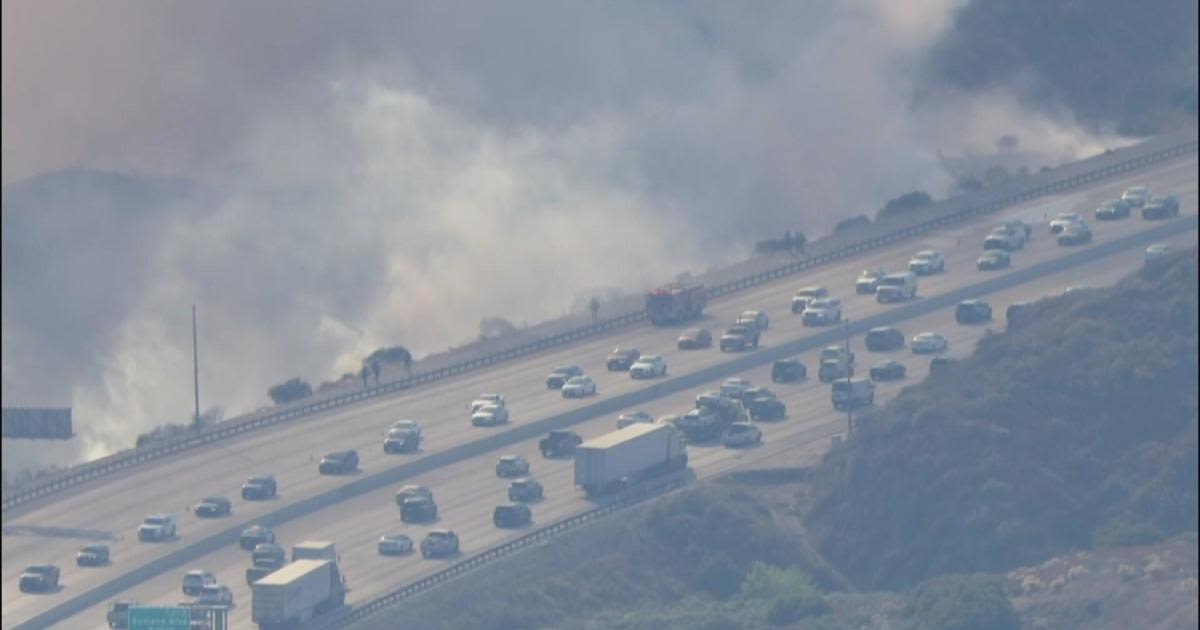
[296,593]
[624,456]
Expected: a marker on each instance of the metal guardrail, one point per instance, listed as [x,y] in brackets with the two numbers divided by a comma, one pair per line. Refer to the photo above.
[897,231]
[631,497]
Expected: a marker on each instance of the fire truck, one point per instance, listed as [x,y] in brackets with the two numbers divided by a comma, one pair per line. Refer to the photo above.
[675,303]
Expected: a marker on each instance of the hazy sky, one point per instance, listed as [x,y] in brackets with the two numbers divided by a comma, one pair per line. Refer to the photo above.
[370,173]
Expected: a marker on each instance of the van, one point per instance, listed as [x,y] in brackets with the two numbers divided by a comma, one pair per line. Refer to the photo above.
[896,286]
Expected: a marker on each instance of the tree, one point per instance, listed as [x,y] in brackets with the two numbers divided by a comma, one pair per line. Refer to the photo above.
[375,369]
[594,306]
[907,202]
[851,224]
[290,390]
[364,374]
[393,354]
[800,241]
[961,602]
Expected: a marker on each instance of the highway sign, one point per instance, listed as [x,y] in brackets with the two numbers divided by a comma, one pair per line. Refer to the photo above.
[159,618]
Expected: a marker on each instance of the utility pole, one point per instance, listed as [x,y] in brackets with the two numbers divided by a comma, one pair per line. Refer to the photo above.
[849,368]
[195,370]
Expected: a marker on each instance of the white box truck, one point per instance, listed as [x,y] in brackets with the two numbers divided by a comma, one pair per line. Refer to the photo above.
[636,452]
[296,593]
[314,550]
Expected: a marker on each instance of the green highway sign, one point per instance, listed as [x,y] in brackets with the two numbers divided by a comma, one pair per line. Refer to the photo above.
[159,618]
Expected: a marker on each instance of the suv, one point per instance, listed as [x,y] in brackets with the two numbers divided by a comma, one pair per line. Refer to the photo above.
[649,366]
[512,515]
[763,405]
[525,489]
[896,286]
[559,443]
[887,370]
[622,358]
[788,370]
[739,337]
[1006,237]
[215,595]
[884,338]
[401,440]
[972,311]
[927,261]
[339,462]
[118,614]
[418,509]
[758,318]
[254,536]
[868,280]
[1161,208]
[853,392]
[439,543]
[836,363]
[1136,196]
[511,466]
[1112,209]
[412,490]
[213,506]
[39,578]
[268,555]
[804,296]
[93,555]
[259,487]
[826,310]
[157,527]
[490,416]
[561,375]
[195,580]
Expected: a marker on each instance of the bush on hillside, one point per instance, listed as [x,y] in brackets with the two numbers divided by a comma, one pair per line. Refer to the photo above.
[907,202]
[961,602]
[853,223]
[290,391]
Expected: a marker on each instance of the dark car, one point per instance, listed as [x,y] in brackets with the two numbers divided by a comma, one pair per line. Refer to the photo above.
[93,555]
[37,578]
[559,443]
[940,364]
[418,509]
[763,405]
[562,374]
[1077,234]
[211,507]
[972,311]
[512,515]
[788,371]
[884,338]
[269,555]
[1112,209]
[254,536]
[888,370]
[695,338]
[339,462]
[525,489]
[259,487]
[1161,208]
[622,358]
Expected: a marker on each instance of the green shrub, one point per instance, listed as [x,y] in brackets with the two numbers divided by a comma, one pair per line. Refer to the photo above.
[961,602]
[792,608]
[719,575]
[288,391]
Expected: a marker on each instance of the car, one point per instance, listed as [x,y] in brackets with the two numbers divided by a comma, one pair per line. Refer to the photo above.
[1161,208]
[715,401]
[649,366]
[739,337]
[418,509]
[788,371]
[525,489]
[409,426]
[156,527]
[484,400]
[804,295]
[559,443]
[338,462]
[259,487]
[578,387]
[941,364]
[215,595]
[1076,234]
[762,404]
[118,613]
[1007,237]
[622,358]
[887,370]
[1060,222]
[868,280]
[972,311]
[884,338]
[490,416]
[254,536]
[1112,209]
[927,261]
[742,434]
[835,362]
[512,466]
[695,339]
[758,318]
[401,440]
[395,545]
[512,515]
[633,417]
[734,387]
[1158,252]
[852,393]
[211,507]
[822,311]
[993,259]
[412,490]
[38,578]
[268,555]
[1136,196]
[195,580]
[928,343]
[92,555]
[439,543]
[561,374]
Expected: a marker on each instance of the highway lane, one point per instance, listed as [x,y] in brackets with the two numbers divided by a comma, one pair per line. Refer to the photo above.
[466,492]
[117,506]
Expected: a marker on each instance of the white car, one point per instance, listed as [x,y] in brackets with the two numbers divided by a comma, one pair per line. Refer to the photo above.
[1064,219]
[648,366]
[1136,196]
[927,261]
[215,595]
[634,417]
[156,527]
[490,415]
[578,387]
[758,318]
[1158,252]
[395,545]
[742,434]
[734,387]
[868,280]
[802,297]
[928,342]
[512,466]
[486,399]
[822,311]
[408,426]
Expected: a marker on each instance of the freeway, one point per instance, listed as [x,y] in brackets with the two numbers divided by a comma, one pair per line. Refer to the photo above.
[116,506]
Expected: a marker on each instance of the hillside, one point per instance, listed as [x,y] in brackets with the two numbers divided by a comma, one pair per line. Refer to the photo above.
[1076,428]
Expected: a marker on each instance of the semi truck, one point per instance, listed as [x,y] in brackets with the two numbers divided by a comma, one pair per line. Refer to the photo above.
[638,451]
[296,593]
[675,303]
